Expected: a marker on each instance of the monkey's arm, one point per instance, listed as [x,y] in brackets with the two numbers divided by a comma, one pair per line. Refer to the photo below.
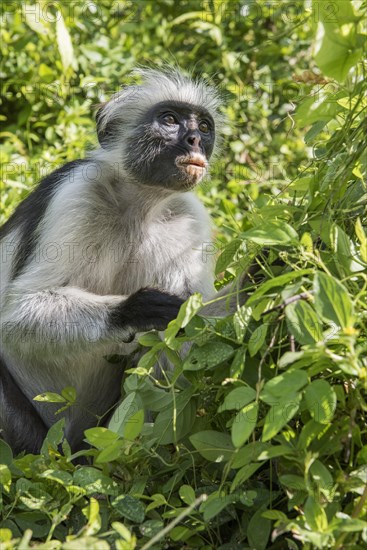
[71,320]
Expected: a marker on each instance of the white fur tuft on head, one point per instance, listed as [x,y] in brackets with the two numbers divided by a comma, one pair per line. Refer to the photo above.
[168,84]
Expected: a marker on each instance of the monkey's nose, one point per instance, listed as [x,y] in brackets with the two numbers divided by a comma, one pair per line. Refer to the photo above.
[194,140]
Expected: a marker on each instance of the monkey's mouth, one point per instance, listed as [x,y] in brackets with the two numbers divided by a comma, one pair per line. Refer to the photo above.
[194,166]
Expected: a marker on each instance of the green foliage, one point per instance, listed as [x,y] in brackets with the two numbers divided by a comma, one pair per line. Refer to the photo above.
[257,437]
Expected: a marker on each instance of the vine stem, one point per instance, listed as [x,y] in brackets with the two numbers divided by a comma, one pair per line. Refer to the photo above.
[358,509]
[173,523]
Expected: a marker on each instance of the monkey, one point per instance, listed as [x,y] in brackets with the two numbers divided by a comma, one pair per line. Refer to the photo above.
[104,248]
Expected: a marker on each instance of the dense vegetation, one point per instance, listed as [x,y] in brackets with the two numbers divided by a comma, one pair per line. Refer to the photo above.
[258,438]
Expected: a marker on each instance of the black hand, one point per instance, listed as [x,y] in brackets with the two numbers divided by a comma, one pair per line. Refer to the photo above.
[144,310]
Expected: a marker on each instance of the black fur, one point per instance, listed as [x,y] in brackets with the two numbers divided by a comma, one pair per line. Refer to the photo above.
[155,146]
[144,310]
[30,212]
[24,429]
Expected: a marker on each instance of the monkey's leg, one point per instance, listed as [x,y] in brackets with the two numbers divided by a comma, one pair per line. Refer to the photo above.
[20,425]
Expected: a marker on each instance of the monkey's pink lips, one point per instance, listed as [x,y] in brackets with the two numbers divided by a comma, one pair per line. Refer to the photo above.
[194,166]
[199,163]
[193,162]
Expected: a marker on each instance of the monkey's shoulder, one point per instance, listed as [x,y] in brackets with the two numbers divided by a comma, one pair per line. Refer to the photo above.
[29,212]
[21,228]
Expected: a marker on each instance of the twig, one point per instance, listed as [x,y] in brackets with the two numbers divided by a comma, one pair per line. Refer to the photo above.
[174,522]
[292,343]
[301,296]
[262,360]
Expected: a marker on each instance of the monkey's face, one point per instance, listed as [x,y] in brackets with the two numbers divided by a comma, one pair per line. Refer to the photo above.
[172,146]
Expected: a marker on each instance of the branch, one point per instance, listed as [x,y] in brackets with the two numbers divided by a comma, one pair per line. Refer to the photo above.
[301,296]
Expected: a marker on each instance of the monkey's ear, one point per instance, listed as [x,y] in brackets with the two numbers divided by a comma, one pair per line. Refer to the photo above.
[105,130]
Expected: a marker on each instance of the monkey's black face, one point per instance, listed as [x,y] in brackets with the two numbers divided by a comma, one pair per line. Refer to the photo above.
[171,146]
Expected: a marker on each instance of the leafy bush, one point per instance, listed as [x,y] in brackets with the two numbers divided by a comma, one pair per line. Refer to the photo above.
[258,436]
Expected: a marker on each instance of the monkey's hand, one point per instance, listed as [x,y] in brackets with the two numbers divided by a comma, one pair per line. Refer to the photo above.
[144,310]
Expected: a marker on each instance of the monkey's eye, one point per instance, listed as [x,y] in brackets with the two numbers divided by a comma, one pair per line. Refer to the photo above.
[169,119]
[204,127]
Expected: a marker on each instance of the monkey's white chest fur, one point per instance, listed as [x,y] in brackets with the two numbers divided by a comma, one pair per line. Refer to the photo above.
[109,248]
[111,251]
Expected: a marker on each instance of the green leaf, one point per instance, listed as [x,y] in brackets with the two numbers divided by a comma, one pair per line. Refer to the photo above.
[287,383]
[208,356]
[64,43]
[69,393]
[155,399]
[213,446]
[279,415]
[303,323]
[332,301]
[275,515]
[276,450]
[315,515]
[110,453]
[172,424]
[134,425]
[149,339]
[227,255]
[257,339]
[244,474]
[311,431]
[6,454]
[150,527]
[258,531]
[124,412]
[362,239]
[335,46]
[215,503]
[320,399]
[241,320]
[181,533]
[59,476]
[292,481]
[186,313]
[347,524]
[130,508]
[314,131]
[345,250]
[100,437]
[50,397]
[249,453]
[54,437]
[282,280]
[149,359]
[36,521]
[187,494]
[244,424]
[238,398]
[322,478]
[91,512]
[158,500]
[5,476]
[93,481]
[272,233]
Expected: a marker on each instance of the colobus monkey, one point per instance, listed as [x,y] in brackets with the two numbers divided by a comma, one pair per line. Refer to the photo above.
[102,249]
